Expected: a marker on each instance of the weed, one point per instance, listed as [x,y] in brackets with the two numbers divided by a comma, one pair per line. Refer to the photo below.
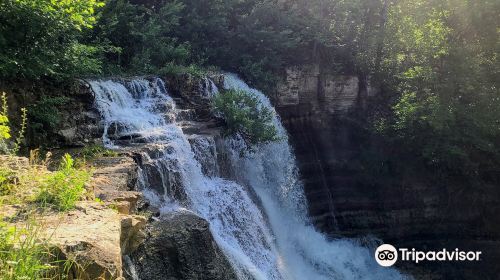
[63,188]
[7,145]
[22,255]
[7,180]
[94,151]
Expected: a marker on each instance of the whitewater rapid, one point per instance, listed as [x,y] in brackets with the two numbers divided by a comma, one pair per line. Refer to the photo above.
[257,210]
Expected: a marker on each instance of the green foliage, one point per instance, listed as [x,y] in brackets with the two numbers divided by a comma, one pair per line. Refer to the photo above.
[95,151]
[6,178]
[22,255]
[40,38]
[437,60]
[245,115]
[254,38]
[26,254]
[4,119]
[441,61]
[7,145]
[192,69]
[63,188]
[141,38]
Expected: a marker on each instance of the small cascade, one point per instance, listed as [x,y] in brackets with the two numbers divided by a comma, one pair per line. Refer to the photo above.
[208,88]
[130,269]
[205,152]
[256,210]
[131,109]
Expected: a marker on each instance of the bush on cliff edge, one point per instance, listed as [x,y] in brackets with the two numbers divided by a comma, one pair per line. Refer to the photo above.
[245,115]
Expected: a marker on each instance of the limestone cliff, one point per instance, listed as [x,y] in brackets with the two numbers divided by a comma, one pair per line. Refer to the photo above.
[319,110]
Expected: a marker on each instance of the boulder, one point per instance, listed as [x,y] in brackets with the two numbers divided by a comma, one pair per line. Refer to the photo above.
[180,246]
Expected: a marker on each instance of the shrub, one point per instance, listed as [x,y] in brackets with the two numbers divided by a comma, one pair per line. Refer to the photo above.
[7,145]
[6,178]
[40,38]
[63,188]
[245,115]
[45,116]
[45,112]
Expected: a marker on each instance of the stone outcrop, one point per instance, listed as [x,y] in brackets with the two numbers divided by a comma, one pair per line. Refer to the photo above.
[314,91]
[115,179]
[181,247]
[192,93]
[78,130]
[73,121]
[94,236]
[311,104]
[90,238]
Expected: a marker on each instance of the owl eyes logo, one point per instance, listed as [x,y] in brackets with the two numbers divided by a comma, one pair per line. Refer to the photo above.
[386,255]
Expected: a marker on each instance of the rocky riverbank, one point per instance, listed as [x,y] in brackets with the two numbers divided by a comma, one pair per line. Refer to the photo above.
[100,236]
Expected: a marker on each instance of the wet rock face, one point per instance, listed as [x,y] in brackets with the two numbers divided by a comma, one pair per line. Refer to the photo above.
[205,152]
[312,103]
[193,93]
[181,247]
[159,173]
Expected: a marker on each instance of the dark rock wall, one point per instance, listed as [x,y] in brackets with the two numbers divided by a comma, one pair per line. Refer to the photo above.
[75,122]
[410,211]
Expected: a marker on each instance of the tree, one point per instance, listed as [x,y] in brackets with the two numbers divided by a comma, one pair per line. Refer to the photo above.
[140,38]
[40,38]
[441,60]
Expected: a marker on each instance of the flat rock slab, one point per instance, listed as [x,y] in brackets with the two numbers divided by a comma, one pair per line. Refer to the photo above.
[89,235]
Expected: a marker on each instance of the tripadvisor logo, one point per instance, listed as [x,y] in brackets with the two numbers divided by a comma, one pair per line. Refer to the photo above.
[387,255]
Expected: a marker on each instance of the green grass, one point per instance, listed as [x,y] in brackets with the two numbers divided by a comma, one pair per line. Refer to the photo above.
[22,255]
[26,253]
[95,151]
[63,188]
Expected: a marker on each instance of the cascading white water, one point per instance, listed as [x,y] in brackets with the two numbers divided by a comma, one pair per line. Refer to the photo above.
[270,170]
[133,108]
[274,241]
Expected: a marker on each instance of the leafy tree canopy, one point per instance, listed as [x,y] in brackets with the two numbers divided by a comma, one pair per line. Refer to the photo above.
[40,38]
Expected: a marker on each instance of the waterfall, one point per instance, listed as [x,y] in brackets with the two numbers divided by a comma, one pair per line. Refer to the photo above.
[257,214]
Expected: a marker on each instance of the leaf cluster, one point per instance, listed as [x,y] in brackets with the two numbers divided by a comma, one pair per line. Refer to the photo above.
[245,115]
